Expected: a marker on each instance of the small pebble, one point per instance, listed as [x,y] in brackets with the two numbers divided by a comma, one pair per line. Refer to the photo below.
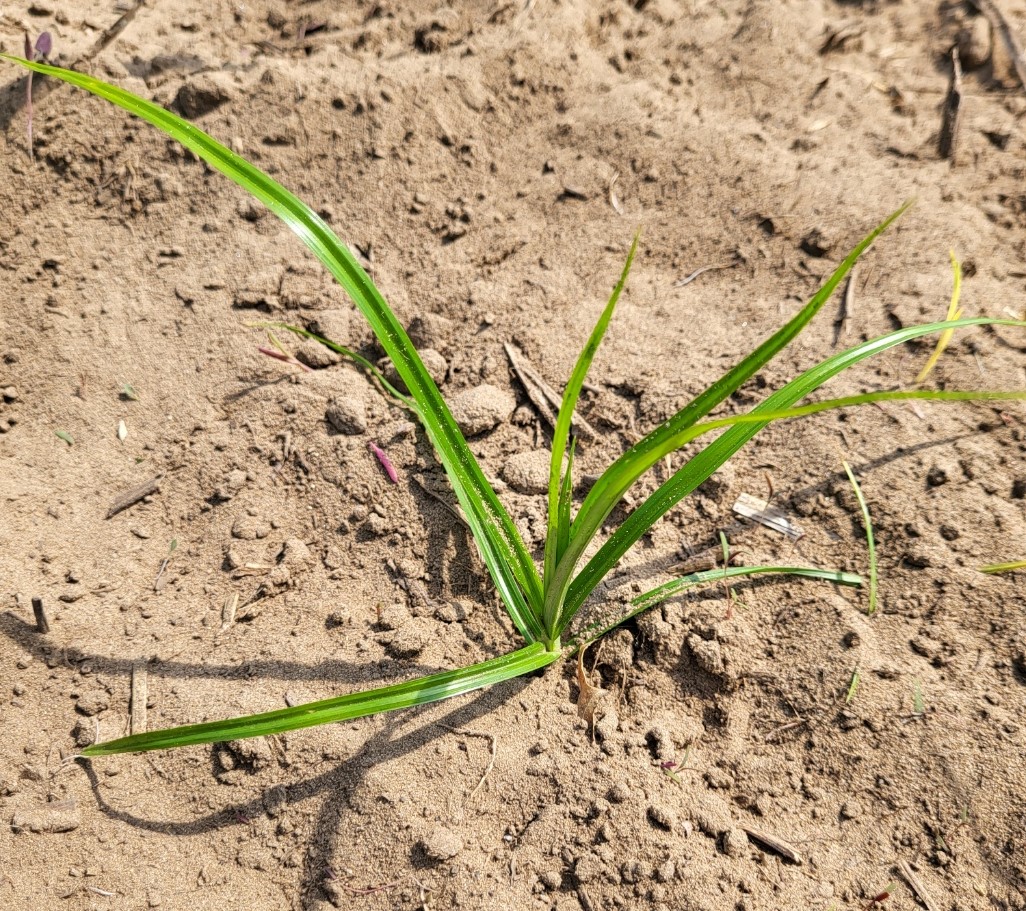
[441,844]
[92,702]
[482,408]
[250,528]
[347,415]
[666,871]
[735,842]
[851,809]
[316,355]
[407,642]
[528,472]
[662,816]
[59,816]
[296,555]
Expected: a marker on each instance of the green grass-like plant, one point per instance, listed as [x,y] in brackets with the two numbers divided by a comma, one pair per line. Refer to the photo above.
[870,538]
[542,602]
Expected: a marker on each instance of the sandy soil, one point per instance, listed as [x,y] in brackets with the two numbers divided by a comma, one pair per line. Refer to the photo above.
[490,162]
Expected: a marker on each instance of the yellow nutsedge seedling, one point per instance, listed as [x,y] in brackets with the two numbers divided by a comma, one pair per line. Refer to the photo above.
[543,600]
[954,312]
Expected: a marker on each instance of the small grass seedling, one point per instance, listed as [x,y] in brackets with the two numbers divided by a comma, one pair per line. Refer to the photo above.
[870,540]
[882,895]
[995,568]
[853,686]
[543,600]
[157,583]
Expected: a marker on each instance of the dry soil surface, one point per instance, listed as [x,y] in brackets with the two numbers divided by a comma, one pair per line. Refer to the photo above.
[489,163]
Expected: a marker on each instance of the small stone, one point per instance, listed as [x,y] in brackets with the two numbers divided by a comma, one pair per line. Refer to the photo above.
[275,800]
[316,355]
[662,817]
[59,816]
[666,871]
[250,528]
[589,867]
[393,616]
[712,815]
[481,408]
[201,95]
[660,742]
[528,472]
[541,745]
[735,842]
[451,612]
[83,733]
[707,654]
[436,364]
[619,793]
[635,871]
[408,642]
[551,879]
[248,209]
[254,752]
[851,809]
[347,415]
[295,554]
[431,331]
[10,394]
[92,702]
[816,243]
[441,844]
[936,476]
[719,779]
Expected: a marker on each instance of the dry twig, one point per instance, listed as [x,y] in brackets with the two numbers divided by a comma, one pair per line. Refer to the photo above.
[948,144]
[133,496]
[542,395]
[1000,25]
[917,886]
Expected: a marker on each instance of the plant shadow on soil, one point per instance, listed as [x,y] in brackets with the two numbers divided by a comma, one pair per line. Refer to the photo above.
[336,785]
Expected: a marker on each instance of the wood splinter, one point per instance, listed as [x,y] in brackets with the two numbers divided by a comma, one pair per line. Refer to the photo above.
[133,496]
[783,848]
[917,886]
[952,117]
[42,622]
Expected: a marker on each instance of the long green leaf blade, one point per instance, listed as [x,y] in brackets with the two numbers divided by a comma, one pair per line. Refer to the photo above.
[703,464]
[504,553]
[1003,567]
[658,595]
[342,708]
[566,495]
[561,432]
[621,475]
[870,538]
